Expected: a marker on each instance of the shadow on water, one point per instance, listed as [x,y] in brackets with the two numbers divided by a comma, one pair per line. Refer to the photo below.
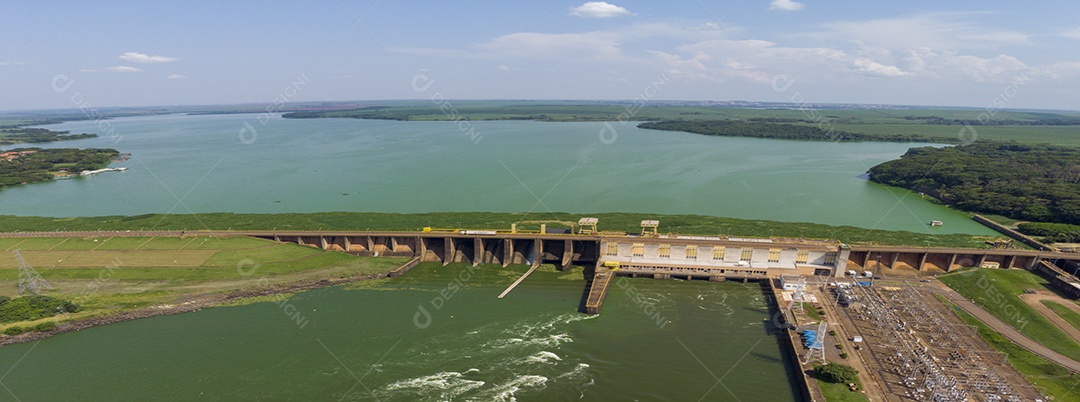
[589,273]
[768,358]
[775,326]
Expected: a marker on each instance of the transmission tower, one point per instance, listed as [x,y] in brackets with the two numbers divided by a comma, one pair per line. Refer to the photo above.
[29,279]
[817,349]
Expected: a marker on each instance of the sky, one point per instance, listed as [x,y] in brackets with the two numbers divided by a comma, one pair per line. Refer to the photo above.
[982,54]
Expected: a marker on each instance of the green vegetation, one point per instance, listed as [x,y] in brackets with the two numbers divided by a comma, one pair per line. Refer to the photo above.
[38,165]
[998,292]
[159,271]
[1051,232]
[41,327]
[685,224]
[22,135]
[756,129]
[836,392]
[29,308]
[811,311]
[1056,380]
[900,124]
[1064,312]
[1030,182]
[836,373]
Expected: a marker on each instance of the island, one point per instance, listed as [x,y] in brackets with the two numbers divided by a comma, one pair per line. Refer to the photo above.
[33,165]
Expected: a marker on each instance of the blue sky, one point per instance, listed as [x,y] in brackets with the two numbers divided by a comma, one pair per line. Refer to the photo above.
[964,53]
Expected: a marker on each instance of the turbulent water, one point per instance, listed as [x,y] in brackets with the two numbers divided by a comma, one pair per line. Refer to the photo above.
[185,164]
[438,333]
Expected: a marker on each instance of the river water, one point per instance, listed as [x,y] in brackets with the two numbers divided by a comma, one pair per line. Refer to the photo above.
[437,333]
[317,165]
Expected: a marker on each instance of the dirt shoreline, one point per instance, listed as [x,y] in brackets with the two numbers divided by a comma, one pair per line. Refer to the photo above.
[196,303]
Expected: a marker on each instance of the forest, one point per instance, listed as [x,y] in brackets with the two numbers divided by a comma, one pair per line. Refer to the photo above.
[40,166]
[24,135]
[759,129]
[1028,182]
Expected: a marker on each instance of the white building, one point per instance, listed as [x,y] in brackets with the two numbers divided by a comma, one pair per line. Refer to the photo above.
[716,257]
[793,282]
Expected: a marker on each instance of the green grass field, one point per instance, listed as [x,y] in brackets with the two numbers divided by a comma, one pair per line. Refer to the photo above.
[1058,381]
[135,272]
[834,392]
[1064,312]
[686,224]
[998,291]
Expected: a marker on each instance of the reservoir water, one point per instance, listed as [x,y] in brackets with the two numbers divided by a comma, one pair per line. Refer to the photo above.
[236,163]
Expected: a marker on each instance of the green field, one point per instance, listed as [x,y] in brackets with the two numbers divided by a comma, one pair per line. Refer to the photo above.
[1064,312]
[834,392]
[1057,381]
[136,272]
[998,290]
[615,222]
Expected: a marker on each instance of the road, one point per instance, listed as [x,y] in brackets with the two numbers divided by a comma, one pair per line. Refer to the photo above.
[1035,301]
[1004,329]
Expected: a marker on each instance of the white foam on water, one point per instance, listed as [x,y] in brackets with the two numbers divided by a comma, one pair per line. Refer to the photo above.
[506,392]
[717,302]
[447,384]
[544,357]
[577,371]
[549,341]
[548,325]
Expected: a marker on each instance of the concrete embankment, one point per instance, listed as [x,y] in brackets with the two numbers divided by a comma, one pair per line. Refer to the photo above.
[1012,233]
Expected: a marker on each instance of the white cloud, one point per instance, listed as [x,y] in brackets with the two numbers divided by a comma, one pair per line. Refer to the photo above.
[123,69]
[599,9]
[1072,33]
[11,63]
[873,67]
[504,67]
[786,5]
[176,77]
[938,30]
[133,57]
[567,46]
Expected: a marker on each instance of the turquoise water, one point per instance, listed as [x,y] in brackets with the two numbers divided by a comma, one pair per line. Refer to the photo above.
[194,164]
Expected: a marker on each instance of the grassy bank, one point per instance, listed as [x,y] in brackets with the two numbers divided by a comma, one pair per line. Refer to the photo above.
[1056,380]
[998,291]
[835,392]
[1064,312]
[108,275]
[685,224]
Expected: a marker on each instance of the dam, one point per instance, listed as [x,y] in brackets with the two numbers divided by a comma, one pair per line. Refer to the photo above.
[649,254]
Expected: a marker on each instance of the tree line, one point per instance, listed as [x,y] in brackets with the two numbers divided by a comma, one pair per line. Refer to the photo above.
[20,135]
[1030,182]
[761,129]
